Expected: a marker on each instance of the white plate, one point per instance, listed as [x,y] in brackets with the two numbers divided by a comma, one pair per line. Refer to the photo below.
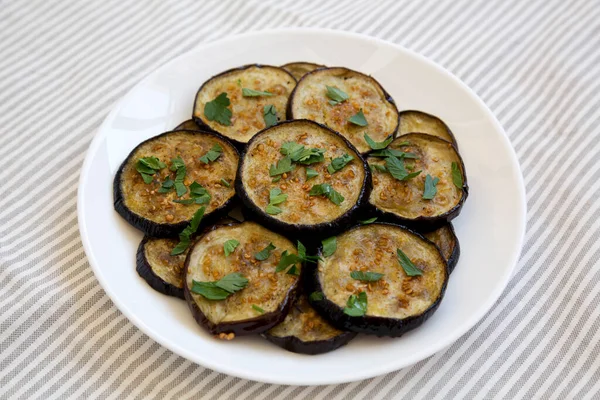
[490,228]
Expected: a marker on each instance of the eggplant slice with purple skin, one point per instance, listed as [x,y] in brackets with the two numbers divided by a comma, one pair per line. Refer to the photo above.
[154,208]
[189,125]
[301,209]
[396,302]
[247,111]
[301,68]
[349,93]
[305,331]
[401,201]
[445,239]
[419,121]
[268,296]
[162,271]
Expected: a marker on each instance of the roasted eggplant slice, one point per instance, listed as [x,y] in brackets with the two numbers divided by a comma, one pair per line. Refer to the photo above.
[398,195]
[256,306]
[418,121]
[304,331]
[299,69]
[240,102]
[164,180]
[348,102]
[188,125]
[159,268]
[300,177]
[445,239]
[382,279]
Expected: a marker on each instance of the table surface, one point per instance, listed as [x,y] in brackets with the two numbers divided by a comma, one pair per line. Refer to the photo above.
[63,65]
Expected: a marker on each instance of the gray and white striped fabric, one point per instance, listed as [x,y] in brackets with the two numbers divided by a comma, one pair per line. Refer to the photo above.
[536,63]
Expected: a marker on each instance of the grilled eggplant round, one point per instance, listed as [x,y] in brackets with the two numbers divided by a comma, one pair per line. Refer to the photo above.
[445,239]
[268,296]
[245,104]
[396,302]
[292,201]
[151,207]
[159,268]
[188,125]
[301,68]
[304,331]
[349,94]
[418,121]
[402,201]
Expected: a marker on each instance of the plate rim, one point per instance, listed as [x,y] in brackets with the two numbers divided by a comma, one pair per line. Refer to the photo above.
[374,371]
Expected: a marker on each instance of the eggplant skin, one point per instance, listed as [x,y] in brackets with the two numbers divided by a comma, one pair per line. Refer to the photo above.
[454,255]
[371,325]
[188,125]
[425,123]
[156,229]
[250,326]
[310,233]
[295,345]
[145,271]
[300,68]
[424,223]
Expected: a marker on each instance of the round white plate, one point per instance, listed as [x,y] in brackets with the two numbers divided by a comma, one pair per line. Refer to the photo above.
[490,228]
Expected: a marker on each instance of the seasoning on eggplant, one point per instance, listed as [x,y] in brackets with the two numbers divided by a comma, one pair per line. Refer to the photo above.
[274,184]
[241,101]
[224,292]
[348,102]
[304,331]
[412,286]
[299,69]
[159,268]
[400,174]
[188,125]
[163,181]
[445,239]
[417,121]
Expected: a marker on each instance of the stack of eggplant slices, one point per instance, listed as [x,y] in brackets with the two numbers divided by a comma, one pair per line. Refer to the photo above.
[345,207]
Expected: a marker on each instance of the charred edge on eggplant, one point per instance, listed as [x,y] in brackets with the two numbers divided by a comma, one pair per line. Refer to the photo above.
[256,323]
[342,112]
[421,222]
[240,142]
[188,125]
[300,68]
[378,325]
[311,232]
[419,121]
[163,229]
[295,335]
[167,284]
[445,239]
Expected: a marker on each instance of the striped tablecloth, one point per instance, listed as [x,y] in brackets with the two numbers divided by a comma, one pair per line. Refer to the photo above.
[536,63]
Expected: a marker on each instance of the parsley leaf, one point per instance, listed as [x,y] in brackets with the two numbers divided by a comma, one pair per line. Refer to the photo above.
[167,185]
[229,246]
[216,110]
[232,282]
[430,187]
[225,183]
[284,165]
[299,154]
[407,265]
[212,154]
[336,95]
[358,119]
[368,221]
[397,169]
[293,271]
[257,309]
[327,190]
[302,254]
[457,176]
[264,253]
[378,145]
[178,165]
[329,246]
[356,305]
[286,260]
[254,93]
[367,276]
[275,197]
[311,173]
[185,235]
[198,194]
[270,115]
[221,289]
[378,167]
[316,296]
[392,153]
[148,166]
[339,163]
[273,210]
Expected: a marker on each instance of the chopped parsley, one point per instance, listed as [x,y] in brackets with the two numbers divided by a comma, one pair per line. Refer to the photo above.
[264,253]
[356,305]
[283,166]
[254,93]
[229,246]
[396,168]
[325,189]
[186,234]
[225,183]
[216,110]
[457,176]
[430,187]
[257,309]
[311,173]
[148,166]
[275,197]
[409,268]
[212,154]
[336,95]
[221,289]
[358,119]
[339,163]
[301,155]
[270,115]
[367,276]
[368,221]
[378,145]
[178,165]
[329,246]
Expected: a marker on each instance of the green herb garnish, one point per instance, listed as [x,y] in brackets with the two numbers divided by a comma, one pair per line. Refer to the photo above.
[316,296]
[225,183]
[167,185]
[303,256]
[356,305]
[275,197]
[221,289]
[293,271]
[148,166]
[198,195]
[396,168]
[311,173]
[329,246]
[392,153]
[212,154]
[407,265]
[368,221]
[325,189]
[378,167]
[378,145]
[367,276]
[257,309]
[270,115]
[358,119]
[229,246]
[216,110]
[301,155]
[264,253]
[185,235]
[286,260]
[339,163]
[254,93]
[283,166]
[336,95]
[457,176]
[430,187]
[178,165]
